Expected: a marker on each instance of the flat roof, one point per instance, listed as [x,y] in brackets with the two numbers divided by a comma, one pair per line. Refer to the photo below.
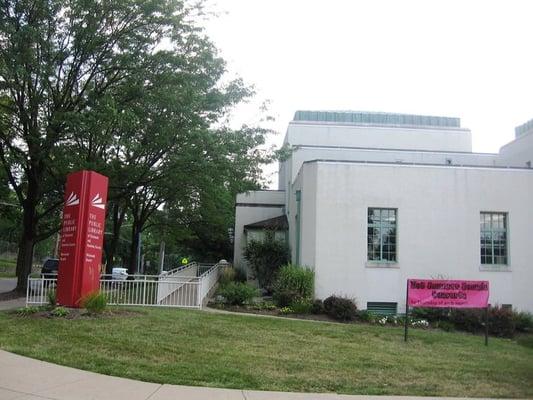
[376,118]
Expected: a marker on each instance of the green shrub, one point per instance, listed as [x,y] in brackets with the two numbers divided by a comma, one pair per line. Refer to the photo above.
[293,284]
[284,298]
[59,312]
[302,306]
[501,322]
[340,308]
[364,315]
[430,314]
[94,303]
[240,275]
[227,276]
[469,320]
[265,258]
[231,274]
[317,307]
[445,325]
[51,297]
[523,322]
[285,310]
[28,310]
[238,293]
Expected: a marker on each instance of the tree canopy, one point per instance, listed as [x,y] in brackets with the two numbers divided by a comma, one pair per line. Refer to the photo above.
[133,89]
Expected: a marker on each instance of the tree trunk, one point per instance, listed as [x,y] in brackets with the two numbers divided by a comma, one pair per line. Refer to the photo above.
[29,229]
[25,251]
[134,247]
[112,243]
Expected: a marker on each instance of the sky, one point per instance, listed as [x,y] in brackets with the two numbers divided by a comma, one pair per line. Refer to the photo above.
[469,59]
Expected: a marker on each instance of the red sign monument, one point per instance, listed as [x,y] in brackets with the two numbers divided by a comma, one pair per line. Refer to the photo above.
[82,236]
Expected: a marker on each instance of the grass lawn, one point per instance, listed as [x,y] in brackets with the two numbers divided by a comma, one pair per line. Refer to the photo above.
[246,352]
[7,268]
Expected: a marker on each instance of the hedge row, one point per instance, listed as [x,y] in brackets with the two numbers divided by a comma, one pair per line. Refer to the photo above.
[503,322]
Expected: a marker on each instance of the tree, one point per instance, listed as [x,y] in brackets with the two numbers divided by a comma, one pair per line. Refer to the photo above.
[199,218]
[70,75]
[266,257]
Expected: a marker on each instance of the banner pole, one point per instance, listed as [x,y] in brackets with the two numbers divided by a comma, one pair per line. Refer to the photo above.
[406,311]
[487,325]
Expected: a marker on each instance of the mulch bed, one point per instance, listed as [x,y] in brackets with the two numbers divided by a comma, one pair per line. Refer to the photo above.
[275,312]
[79,313]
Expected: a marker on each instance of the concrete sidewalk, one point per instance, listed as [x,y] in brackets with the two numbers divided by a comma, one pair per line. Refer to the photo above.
[23,378]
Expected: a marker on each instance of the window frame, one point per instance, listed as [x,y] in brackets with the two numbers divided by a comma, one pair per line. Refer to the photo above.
[492,230]
[382,260]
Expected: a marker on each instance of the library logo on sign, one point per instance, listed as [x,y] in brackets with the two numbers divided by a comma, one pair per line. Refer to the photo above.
[98,202]
[73,200]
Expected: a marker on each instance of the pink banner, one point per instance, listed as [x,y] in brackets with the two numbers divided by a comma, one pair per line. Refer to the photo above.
[444,294]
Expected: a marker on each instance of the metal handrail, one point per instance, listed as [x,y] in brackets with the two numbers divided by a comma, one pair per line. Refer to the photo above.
[142,290]
[145,277]
[181,268]
[210,270]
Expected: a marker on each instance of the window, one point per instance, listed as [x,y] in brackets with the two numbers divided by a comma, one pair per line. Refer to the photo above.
[382,234]
[493,238]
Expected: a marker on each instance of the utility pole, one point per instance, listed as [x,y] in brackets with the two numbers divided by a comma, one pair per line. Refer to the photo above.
[162,244]
[161,256]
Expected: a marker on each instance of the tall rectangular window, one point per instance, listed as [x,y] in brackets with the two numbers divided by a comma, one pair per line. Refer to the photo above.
[382,234]
[493,227]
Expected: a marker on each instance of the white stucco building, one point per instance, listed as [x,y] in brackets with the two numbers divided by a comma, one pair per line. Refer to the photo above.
[368,200]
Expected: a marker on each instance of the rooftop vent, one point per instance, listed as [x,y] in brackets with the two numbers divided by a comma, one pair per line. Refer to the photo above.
[376,118]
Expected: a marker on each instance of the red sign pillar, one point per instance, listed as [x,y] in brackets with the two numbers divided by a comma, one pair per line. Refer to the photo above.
[82,236]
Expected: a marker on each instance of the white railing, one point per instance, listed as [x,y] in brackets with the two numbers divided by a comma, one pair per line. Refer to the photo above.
[208,281]
[190,269]
[146,289]
[176,290]
[177,282]
[39,290]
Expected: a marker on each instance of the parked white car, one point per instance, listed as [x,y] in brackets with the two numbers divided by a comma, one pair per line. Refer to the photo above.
[120,274]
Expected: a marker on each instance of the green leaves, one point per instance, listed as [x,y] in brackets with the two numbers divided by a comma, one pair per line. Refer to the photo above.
[132,89]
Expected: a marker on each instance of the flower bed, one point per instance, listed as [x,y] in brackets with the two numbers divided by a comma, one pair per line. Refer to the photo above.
[267,307]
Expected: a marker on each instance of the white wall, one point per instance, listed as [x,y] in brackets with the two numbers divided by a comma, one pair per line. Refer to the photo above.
[254,206]
[291,214]
[438,228]
[308,211]
[518,152]
[259,235]
[260,197]
[302,154]
[384,137]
